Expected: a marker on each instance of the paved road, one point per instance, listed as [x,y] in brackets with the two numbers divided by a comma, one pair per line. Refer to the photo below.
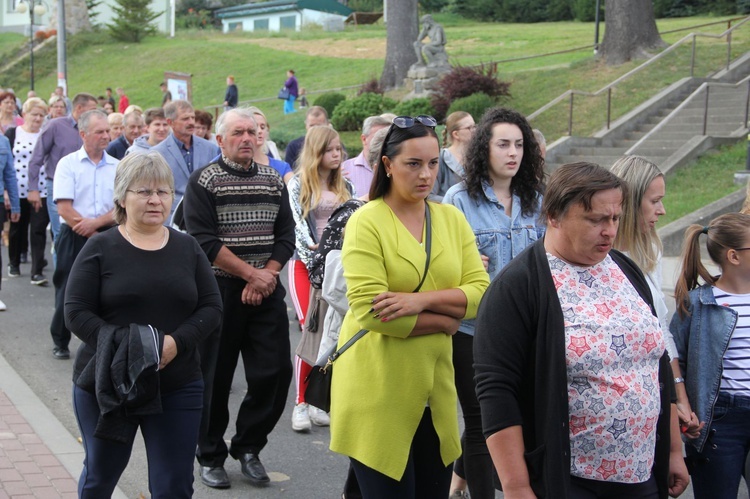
[300,465]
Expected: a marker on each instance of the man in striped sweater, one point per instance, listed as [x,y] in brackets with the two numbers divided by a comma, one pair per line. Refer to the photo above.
[240,214]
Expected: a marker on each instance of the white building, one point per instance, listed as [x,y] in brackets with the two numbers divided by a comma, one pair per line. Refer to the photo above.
[281,14]
[11,20]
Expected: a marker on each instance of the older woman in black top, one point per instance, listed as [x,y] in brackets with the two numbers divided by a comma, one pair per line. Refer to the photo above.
[572,374]
[144,289]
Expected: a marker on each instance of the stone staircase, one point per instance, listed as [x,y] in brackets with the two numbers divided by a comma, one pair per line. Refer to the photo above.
[679,138]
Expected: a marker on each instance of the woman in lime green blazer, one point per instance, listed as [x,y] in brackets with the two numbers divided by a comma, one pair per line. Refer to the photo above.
[393,406]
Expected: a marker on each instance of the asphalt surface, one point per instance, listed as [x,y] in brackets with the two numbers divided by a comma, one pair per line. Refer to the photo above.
[300,465]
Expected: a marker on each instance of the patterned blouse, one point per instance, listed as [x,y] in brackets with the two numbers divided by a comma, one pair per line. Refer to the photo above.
[613,346]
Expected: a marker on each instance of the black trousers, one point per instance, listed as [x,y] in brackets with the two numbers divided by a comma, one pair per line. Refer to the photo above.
[67,247]
[20,240]
[261,335]
[475,464]
[425,477]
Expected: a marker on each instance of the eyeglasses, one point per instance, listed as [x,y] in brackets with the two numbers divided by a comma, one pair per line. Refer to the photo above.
[408,121]
[164,194]
[741,249]
[470,127]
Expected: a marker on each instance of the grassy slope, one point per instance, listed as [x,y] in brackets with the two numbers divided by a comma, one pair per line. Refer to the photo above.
[96,62]
[708,179]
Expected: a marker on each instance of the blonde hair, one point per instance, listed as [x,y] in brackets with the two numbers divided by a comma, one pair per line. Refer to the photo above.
[34,102]
[257,111]
[643,247]
[451,125]
[310,161]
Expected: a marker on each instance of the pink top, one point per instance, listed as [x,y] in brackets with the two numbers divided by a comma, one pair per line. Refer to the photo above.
[323,211]
[17,121]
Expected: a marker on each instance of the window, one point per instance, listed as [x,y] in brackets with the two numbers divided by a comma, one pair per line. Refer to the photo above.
[236,26]
[288,22]
[12,4]
[260,24]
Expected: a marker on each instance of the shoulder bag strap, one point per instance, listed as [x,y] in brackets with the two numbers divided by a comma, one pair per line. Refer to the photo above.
[428,249]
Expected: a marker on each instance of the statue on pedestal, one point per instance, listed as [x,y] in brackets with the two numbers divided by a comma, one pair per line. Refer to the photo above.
[431,54]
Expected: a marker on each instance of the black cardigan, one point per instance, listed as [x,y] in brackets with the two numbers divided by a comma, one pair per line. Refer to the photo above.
[519,360]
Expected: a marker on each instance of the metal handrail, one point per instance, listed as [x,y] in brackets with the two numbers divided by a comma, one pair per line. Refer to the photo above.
[568,94]
[704,86]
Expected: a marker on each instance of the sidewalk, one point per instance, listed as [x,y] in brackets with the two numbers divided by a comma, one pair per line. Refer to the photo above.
[38,457]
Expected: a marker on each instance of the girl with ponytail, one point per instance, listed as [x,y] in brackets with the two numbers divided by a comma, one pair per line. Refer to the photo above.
[712,332]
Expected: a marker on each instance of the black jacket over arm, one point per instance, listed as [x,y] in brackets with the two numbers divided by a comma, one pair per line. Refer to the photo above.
[519,361]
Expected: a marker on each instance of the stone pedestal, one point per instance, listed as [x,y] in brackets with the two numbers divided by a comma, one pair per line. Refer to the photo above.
[421,80]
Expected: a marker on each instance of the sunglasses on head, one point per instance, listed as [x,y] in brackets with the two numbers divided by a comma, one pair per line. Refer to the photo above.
[409,121]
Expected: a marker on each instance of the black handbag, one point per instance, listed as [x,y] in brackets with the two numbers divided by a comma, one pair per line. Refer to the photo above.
[283,93]
[318,391]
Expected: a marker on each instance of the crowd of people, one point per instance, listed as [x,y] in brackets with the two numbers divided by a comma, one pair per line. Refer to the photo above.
[460,274]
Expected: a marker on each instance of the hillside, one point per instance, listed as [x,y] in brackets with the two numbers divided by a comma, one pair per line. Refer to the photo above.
[331,60]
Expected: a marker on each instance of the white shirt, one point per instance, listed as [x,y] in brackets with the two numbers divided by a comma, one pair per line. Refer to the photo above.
[90,186]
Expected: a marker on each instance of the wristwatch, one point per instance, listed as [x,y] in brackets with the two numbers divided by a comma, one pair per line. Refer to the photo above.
[679,380]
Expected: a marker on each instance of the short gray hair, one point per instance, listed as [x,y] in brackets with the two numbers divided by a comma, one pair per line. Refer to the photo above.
[85,120]
[374,121]
[174,108]
[150,168]
[376,147]
[539,136]
[244,112]
[133,115]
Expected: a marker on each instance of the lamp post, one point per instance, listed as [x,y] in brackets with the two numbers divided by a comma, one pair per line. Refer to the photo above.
[33,7]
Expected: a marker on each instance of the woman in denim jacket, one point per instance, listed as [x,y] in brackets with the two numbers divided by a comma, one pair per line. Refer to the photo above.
[501,197]
[712,332]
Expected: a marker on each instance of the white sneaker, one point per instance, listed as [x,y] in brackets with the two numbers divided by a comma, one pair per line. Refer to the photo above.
[300,418]
[3,308]
[318,417]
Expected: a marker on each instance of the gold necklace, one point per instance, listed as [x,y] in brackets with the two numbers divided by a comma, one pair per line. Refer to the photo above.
[130,240]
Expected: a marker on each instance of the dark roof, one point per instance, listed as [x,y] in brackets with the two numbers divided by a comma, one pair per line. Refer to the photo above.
[330,6]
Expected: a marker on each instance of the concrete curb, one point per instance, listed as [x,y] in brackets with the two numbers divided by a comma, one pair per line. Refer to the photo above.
[49,429]
[672,234]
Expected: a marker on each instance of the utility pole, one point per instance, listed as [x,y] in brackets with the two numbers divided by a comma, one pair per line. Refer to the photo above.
[62,61]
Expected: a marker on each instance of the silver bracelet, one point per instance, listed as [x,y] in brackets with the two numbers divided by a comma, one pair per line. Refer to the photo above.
[679,380]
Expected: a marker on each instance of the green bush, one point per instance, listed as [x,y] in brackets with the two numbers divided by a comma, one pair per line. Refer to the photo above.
[287,128]
[414,107]
[329,101]
[474,104]
[350,114]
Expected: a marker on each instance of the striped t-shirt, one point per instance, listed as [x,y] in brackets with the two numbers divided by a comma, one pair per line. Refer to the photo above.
[735,377]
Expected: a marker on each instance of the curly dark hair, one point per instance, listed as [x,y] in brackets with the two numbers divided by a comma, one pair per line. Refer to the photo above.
[528,182]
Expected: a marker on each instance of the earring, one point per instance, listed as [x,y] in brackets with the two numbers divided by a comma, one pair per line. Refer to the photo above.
[388,175]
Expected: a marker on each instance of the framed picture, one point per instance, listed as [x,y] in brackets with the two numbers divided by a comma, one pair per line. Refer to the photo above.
[180,85]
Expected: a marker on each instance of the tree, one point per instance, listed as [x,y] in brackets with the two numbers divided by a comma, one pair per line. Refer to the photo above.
[630,31]
[401,31]
[133,21]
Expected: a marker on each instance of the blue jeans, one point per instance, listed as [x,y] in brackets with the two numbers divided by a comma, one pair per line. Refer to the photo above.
[716,472]
[289,105]
[170,439]
[54,218]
